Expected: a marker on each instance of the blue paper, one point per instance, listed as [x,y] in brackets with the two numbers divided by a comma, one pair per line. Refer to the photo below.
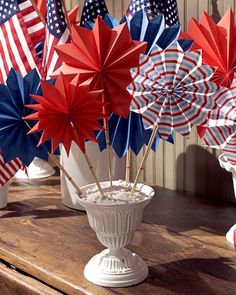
[14,140]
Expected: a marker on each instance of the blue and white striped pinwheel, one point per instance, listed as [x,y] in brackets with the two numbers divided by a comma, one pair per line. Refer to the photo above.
[221,126]
[130,133]
[171,90]
[14,140]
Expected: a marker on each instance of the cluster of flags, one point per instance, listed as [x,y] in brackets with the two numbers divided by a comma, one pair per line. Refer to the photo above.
[26,43]
[30,29]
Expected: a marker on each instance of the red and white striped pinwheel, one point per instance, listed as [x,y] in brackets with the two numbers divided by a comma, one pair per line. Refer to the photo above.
[222,121]
[171,89]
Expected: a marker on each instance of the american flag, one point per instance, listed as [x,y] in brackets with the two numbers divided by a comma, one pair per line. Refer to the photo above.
[8,170]
[56,34]
[34,24]
[91,10]
[17,51]
[154,7]
[16,48]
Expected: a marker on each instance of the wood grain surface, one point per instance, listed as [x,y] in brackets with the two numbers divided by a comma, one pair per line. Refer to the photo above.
[43,244]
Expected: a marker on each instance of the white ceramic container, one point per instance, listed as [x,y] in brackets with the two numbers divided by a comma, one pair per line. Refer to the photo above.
[115,225]
[230,168]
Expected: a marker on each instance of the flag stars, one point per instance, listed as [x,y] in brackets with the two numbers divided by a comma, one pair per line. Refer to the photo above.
[93,8]
[55,15]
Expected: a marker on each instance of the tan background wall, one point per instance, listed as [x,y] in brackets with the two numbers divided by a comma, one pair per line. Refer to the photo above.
[187,165]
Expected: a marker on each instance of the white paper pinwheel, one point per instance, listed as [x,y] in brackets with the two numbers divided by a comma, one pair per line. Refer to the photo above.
[171,89]
[222,121]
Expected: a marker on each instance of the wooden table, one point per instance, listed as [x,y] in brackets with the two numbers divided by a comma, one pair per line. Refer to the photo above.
[44,246]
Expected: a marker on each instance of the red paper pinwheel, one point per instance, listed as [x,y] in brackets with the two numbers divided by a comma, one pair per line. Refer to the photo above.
[103,56]
[171,89]
[218,44]
[66,113]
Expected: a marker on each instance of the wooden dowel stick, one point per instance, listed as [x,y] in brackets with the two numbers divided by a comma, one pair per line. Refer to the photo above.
[154,132]
[108,146]
[67,175]
[66,16]
[38,11]
[127,165]
[93,173]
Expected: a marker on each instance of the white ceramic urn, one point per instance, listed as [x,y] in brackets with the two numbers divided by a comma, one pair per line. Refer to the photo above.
[4,195]
[230,168]
[115,225]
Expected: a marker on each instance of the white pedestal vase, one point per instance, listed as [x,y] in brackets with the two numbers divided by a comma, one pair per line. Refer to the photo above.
[115,225]
[36,170]
[230,168]
[4,195]
[77,167]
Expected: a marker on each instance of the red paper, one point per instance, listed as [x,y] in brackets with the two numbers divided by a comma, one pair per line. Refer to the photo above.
[103,57]
[218,44]
[67,113]
[72,14]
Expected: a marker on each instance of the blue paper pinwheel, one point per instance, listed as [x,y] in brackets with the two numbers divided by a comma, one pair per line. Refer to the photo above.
[14,140]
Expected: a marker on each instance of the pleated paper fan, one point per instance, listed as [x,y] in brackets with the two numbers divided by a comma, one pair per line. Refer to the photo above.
[103,57]
[221,130]
[130,133]
[218,45]
[14,140]
[222,137]
[154,31]
[171,88]
[66,113]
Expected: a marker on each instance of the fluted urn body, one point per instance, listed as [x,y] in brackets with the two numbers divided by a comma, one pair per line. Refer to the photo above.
[115,225]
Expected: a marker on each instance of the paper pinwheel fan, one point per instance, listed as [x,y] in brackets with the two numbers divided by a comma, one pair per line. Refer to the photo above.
[130,133]
[218,45]
[103,57]
[221,133]
[154,31]
[14,140]
[171,89]
[66,113]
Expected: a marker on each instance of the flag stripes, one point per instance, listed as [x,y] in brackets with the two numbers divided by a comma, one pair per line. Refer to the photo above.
[56,33]
[7,170]
[32,21]
[16,48]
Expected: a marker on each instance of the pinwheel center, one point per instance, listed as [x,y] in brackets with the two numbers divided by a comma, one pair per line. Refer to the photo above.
[168,91]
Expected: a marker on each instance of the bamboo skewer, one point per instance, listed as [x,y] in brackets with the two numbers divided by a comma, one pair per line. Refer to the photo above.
[66,16]
[38,11]
[55,160]
[154,132]
[127,165]
[93,173]
[108,146]
[71,4]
